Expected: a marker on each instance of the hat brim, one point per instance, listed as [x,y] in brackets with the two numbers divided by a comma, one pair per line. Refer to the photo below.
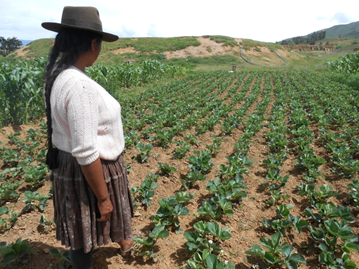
[56,27]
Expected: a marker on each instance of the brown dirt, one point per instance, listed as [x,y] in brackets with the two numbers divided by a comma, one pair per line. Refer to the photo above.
[246,227]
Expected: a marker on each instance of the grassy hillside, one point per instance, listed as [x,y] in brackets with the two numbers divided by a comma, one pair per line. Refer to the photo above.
[204,53]
[350,30]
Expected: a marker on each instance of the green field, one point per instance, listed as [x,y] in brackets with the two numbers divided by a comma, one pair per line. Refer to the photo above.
[264,160]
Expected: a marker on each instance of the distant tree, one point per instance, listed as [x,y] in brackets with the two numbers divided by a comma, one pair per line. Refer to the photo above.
[8,45]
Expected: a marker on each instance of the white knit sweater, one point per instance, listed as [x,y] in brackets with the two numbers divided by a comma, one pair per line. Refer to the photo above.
[86,119]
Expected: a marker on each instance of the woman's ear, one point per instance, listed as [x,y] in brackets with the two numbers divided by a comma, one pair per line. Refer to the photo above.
[94,44]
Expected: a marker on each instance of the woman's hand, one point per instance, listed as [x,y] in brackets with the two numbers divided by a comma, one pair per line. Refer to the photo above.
[105,207]
[94,177]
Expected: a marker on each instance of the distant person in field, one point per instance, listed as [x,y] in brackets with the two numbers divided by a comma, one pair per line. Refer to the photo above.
[92,200]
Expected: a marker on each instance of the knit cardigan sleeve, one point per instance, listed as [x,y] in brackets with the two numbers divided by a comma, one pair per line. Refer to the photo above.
[82,113]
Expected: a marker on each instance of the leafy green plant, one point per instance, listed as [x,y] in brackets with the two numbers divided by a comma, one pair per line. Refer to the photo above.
[146,192]
[315,194]
[8,223]
[145,152]
[275,251]
[182,150]
[183,197]
[44,222]
[354,193]
[147,244]
[64,257]
[192,139]
[8,191]
[285,220]
[152,177]
[200,161]
[192,178]
[276,197]
[31,197]
[205,241]
[36,173]
[216,146]
[12,253]
[169,212]
[166,169]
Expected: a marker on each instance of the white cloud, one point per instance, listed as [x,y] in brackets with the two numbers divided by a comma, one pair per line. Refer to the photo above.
[260,20]
[340,18]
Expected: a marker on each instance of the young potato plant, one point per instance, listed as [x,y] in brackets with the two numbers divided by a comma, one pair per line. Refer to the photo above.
[146,192]
[14,252]
[145,152]
[354,193]
[276,253]
[276,196]
[8,192]
[203,245]
[146,245]
[225,192]
[152,177]
[169,212]
[216,146]
[166,169]
[192,139]
[200,161]
[285,221]
[30,198]
[237,165]
[7,223]
[310,163]
[191,179]
[36,173]
[182,150]
[314,194]
[327,239]
[65,259]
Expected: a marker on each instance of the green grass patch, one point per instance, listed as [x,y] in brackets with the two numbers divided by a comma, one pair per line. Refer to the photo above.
[253,43]
[215,62]
[39,48]
[227,41]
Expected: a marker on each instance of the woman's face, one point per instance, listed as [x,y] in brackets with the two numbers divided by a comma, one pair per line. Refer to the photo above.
[95,50]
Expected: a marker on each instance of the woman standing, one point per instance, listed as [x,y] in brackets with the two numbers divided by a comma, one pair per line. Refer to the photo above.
[92,201]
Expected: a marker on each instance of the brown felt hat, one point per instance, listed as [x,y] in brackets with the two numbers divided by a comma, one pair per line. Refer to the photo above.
[85,18]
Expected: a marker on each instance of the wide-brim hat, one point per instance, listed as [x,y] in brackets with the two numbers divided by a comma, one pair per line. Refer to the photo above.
[85,18]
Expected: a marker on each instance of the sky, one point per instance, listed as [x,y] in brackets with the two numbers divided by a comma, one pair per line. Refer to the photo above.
[260,20]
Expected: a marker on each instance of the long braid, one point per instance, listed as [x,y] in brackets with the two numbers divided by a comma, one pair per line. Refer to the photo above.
[69,45]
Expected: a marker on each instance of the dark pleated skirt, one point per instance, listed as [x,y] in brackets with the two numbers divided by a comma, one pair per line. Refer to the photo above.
[75,205]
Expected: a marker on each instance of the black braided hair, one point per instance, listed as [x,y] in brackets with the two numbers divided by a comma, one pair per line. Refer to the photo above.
[69,45]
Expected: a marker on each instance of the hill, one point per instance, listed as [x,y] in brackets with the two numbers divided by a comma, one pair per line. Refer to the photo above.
[341,33]
[350,30]
[196,53]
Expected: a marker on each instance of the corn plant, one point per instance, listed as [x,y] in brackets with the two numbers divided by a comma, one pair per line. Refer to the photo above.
[21,91]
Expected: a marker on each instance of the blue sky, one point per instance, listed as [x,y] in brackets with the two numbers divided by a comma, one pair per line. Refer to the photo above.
[261,20]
